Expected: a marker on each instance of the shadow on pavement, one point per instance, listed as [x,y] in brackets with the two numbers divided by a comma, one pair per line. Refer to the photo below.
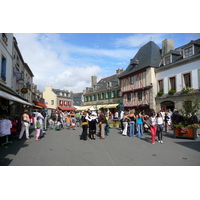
[195,145]
[11,149]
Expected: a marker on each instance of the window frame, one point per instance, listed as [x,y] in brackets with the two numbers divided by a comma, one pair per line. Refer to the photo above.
[188,53]
[185,80]
[139,95]
[159,85]
[170,83]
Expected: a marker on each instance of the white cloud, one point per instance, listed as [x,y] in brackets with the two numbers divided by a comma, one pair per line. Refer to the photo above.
[139,39]
[52,64]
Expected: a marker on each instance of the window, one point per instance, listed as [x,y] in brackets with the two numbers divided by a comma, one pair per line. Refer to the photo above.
[160,86]
[52,102]
[102,95]
[188,52]
[132,80]
[5,39]
[60,93]
[139,95]
[172,82]
[129,96]
[167,60]
[113,94]
[3,68]
[187,80]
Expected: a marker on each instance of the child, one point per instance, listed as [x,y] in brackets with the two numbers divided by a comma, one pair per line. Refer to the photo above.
[58,125]
[73,123]
[51,123]
[37,129]
[68,121]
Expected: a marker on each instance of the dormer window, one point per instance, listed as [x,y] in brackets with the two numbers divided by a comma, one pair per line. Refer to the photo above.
[188,51]
[167,60]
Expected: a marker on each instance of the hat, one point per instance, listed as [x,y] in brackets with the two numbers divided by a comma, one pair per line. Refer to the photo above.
[38,117]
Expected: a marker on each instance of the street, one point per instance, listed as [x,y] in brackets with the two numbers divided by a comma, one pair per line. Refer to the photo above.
[64,148]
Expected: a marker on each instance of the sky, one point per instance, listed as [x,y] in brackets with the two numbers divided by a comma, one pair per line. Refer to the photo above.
[68,60]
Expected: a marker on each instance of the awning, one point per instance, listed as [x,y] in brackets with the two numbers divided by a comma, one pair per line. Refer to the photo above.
[111,106]
[99,106]
[82,108]
[37,106]
[67,108]
[40,104]
[14,98]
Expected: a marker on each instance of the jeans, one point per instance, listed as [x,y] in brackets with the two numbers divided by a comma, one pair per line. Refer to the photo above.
[132,129]
[140,130]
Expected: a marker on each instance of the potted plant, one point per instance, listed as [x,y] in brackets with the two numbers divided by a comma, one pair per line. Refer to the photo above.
[187,126]
[160,94]
[172,92]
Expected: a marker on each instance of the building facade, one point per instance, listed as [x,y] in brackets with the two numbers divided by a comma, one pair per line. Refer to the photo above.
[178,76]
[56,98]
[104,94]
[138,81]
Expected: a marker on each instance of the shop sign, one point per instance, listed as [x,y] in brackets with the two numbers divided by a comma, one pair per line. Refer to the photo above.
[24,90]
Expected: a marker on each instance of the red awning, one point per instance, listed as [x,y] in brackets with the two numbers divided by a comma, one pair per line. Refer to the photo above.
[39,104]
[67,108]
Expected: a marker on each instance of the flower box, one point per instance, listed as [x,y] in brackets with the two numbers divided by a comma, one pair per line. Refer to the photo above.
[189,133]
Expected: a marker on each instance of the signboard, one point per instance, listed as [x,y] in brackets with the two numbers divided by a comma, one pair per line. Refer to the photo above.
[24,90]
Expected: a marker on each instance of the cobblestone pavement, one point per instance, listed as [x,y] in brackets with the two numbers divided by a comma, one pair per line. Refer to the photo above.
[64,148]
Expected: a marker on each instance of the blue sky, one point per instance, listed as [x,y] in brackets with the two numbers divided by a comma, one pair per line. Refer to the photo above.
[68,60]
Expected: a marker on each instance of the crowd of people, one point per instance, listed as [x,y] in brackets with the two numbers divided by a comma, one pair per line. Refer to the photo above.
[133,123]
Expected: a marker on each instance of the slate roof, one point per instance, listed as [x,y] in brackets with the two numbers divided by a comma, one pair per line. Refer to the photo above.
[178,52]
[148,55]
[102,84]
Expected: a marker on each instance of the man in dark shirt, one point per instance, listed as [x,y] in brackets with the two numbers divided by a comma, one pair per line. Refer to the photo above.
[102,122]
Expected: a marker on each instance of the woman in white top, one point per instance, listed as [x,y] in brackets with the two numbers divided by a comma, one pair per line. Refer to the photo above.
[152,123]
[160,125]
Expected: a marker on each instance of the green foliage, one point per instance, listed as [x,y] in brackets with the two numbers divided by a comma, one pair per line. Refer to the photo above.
[160,94]
[172,92]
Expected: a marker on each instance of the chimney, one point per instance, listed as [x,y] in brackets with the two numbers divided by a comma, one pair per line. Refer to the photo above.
[167,45]
[119,71]
[94,80]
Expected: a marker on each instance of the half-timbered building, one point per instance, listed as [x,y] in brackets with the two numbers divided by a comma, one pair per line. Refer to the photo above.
[138,80]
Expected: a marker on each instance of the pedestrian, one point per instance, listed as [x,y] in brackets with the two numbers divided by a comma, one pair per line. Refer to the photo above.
[116,115]
[160,125]
[68,121]
[84,126]
[41,123]
[51,123]
[153,127]
[25,125]
[58,125]
[37,129]
[92,120]
[102,124]
[125,123]
[107,128]
[139,124]
[121,119]
[132,123]
[166,122]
